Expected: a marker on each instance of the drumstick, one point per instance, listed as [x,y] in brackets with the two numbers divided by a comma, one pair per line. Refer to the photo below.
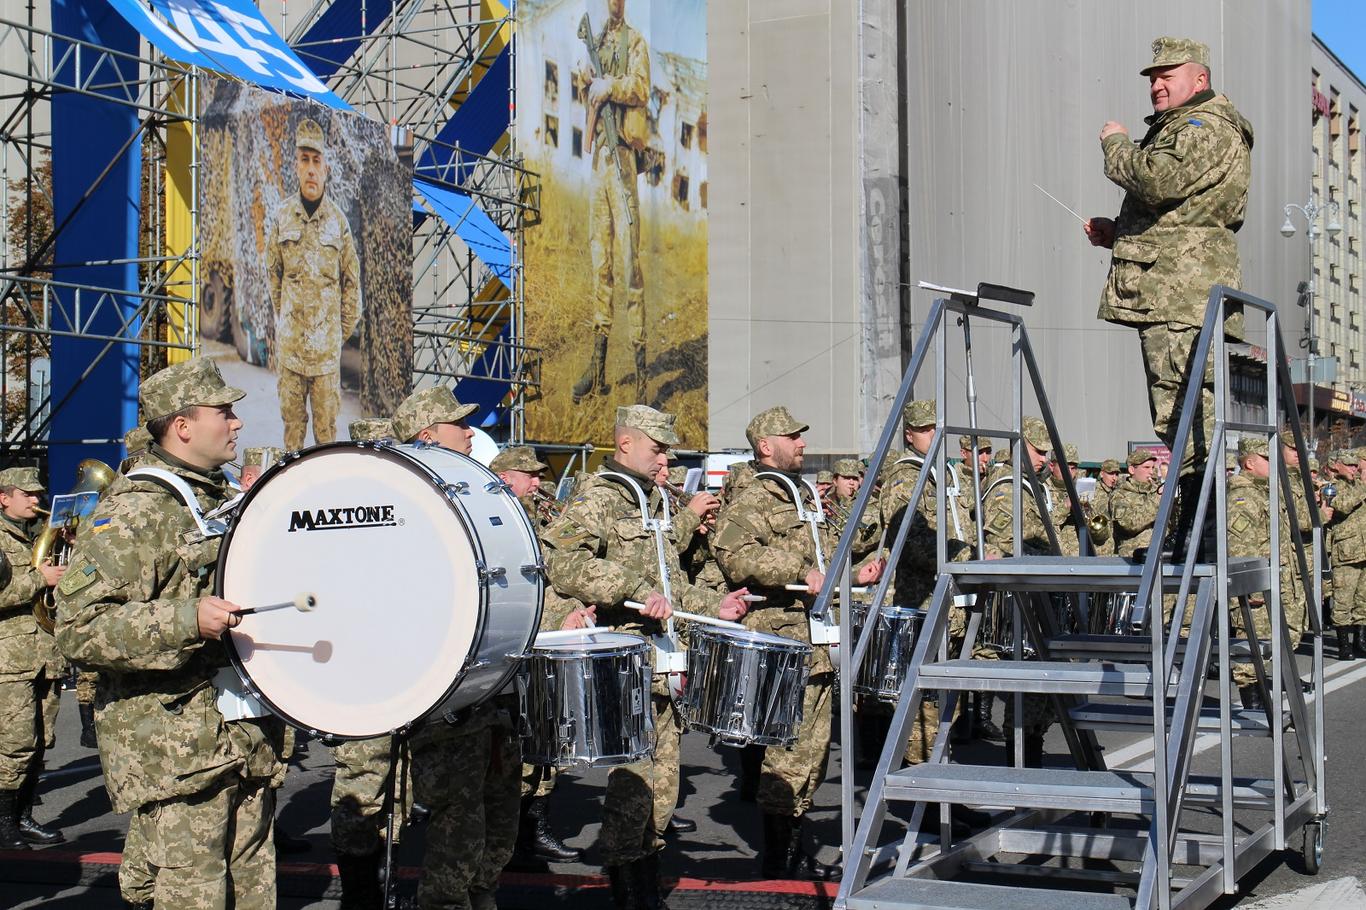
[304,603]
[694,617]
[856,589]
[754,598]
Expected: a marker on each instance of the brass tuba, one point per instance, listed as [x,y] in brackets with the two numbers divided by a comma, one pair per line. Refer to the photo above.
[53,545]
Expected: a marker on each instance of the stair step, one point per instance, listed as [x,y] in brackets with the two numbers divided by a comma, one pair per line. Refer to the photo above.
[1040,676]
[1096,574]
[1127,717]
[932,894]
[1088,646]
[1126,792]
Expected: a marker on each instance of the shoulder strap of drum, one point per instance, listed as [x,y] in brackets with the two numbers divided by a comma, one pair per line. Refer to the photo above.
[177,487]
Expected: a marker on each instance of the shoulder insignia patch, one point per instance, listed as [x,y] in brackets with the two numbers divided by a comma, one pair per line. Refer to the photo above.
[101,524]
[76,579]
[1193,122]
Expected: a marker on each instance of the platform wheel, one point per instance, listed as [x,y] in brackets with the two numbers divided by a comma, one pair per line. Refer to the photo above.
[1313,847]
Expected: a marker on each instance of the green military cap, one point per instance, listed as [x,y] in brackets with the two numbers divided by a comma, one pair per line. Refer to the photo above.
[1230,462]
[308,135]
[919,413]
[825,477]
[847,467]
[1141,456]
[1313,463]
[137,440]
[1252,445]
[1035,432]
[655,424]
[1169,51]
[1110,466]
[773,422]
[427,407]
[1002,456]
[261,456]
[370,429]
[182,385]
[517,458]
[1069,452]
[983,443]
[25,479]
[1346,456]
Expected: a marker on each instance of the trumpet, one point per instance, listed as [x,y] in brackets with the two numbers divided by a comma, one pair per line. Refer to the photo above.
[1097,524]
[52,547]
[548,508]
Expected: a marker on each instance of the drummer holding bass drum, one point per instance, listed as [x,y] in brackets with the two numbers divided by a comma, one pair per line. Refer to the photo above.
[601,550]
[762,541]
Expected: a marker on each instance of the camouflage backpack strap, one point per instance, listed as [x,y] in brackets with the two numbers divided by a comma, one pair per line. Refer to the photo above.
[210,526]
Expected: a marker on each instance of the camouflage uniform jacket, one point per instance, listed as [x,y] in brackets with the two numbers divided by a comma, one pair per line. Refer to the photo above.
[837,516]
[1249,528]
[1185,189]
[1133,512]
[127,607]
[626,59]
[1349,523]
[918,567]
[598,552]
[314,276]
[1102,503]
[1061,516]
[24,647]
[998,512]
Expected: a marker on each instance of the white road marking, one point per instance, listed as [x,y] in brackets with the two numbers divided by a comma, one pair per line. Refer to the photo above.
[1339,894]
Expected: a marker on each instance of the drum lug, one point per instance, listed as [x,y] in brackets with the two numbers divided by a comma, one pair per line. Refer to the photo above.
[489,573]
[534,568]
[497,486]
[459,488]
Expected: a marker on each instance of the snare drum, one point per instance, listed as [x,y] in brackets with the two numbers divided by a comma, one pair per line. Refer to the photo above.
[586,699]
[890,647]
[745,687]
[427,574]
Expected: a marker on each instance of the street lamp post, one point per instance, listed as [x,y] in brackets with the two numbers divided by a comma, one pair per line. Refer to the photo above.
[1311,212]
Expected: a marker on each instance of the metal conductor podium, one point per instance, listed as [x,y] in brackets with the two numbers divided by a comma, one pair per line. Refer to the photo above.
[1081,833]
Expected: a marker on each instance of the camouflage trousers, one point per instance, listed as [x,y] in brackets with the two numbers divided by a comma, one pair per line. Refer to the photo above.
[789,777]
[641,796]
[1167,350]
[208,851]
[538,780]
[1349,595]
[1244,673]
[360,789]
[614,238]
[299,394]
[469,777]
[28,720]
[86,680]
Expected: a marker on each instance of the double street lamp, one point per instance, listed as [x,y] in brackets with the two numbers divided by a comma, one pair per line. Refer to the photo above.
[1311,212]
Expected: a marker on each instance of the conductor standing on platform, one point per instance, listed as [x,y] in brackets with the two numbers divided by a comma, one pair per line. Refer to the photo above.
[1185,186]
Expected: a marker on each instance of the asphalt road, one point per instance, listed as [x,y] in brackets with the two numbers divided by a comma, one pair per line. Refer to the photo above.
[80,873]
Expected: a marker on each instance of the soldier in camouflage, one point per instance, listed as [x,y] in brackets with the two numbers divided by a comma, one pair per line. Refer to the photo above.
[256,461]
[314,278]
[466,771]
[848,478]
[1347,551]
[761,543]
[1060,506]
[599,552]
[133,605]
[30,667]
[623,89]
[1304,520]
[1133,504]
[1102,503]
[1186,185]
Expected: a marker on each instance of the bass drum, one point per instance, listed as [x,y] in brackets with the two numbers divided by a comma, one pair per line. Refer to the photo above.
[428,581]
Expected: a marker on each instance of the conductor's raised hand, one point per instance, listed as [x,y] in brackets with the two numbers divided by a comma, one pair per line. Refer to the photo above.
[1100,231]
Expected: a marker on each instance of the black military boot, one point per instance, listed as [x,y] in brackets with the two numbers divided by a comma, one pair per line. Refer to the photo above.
[595,374]
[645,872]
[360,881]
[1251,696]
[805,866]
[630,887]
[1033,750]
[1345,650]
[751,764]
[88,737]
[984,727]
[10,837]
[29,829]
[535,840]
[777,852]
[1359,640]
[678,825]
[640,374]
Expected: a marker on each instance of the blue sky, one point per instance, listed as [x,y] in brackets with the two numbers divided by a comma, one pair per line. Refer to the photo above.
[1341,24]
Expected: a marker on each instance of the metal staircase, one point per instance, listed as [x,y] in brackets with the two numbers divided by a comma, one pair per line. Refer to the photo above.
[1108,837]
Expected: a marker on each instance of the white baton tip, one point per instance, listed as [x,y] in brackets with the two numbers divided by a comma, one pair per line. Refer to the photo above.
[305,603]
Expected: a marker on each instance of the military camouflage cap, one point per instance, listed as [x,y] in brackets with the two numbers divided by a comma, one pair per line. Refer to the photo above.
[1313,463]
[1169,51]
[1230,462]
[983,443]
[369,429]
[1002,456]
[847,467]
[182,385]
[308,135]
[773,422]
[1346,456]
[1110,466]
[1252,445]
[261,456]
[655,424]
[427,407]
[825,477]
[517,458]
[1069,452]
[919,413]
[1141,456]
[678,476]
[1035,432]
[25,479]
[137,440]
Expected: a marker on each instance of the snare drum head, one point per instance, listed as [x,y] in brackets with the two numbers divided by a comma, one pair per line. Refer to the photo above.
[747,638]
[579,641]
[393,568]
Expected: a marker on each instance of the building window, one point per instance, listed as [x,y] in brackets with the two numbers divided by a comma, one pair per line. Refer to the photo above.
[577,139]
[702,132]
[685,135]
[680,189]
[552,82]
[702,194]
[552,131]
